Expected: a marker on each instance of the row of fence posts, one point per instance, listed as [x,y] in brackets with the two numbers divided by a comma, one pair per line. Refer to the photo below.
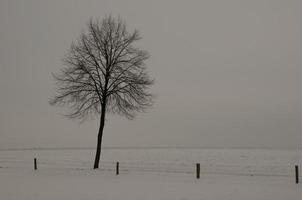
[117,170]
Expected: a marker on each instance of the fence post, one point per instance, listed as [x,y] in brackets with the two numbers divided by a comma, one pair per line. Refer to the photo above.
[117,168]
[197,170]
[35,163]
[297,174]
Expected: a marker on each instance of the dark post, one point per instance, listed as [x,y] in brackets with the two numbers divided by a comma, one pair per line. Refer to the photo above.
[35,163]
[197,170]
[117,168]
[297,174]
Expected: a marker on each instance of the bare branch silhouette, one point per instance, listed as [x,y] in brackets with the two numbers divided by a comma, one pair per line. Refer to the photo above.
[104,72]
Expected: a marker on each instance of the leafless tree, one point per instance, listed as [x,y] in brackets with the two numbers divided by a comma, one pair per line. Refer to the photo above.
[104,72]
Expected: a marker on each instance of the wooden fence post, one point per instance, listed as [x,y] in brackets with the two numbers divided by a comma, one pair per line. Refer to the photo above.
[35,163]
[117,168]
[297,174]
[197,170]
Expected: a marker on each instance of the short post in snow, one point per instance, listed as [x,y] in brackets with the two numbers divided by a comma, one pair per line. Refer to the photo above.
[197,170]
[35,164]
[297,174]
[117,168]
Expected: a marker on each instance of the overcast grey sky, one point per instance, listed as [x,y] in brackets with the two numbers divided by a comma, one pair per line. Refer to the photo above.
[228,73]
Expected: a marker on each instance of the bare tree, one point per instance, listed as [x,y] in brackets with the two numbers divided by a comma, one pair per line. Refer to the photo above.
[104,72]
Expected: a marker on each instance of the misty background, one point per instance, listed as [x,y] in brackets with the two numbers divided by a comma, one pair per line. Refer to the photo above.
[227,73]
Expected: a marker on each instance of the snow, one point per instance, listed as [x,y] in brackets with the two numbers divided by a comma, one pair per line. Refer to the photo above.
[151,174]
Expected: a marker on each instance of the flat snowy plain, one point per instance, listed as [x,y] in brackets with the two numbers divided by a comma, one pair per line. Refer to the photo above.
[158,173]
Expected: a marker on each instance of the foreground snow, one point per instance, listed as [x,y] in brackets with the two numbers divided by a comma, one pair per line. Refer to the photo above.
[89,184]
[150,174]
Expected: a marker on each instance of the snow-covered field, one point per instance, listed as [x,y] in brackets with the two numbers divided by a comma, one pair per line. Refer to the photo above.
[237,174]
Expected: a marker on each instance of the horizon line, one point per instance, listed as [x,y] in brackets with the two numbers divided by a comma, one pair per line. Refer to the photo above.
[146,147]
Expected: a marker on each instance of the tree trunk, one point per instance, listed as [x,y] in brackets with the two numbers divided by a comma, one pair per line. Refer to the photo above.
[99,143]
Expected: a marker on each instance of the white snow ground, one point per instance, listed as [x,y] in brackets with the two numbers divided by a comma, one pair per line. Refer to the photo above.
[151,174]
